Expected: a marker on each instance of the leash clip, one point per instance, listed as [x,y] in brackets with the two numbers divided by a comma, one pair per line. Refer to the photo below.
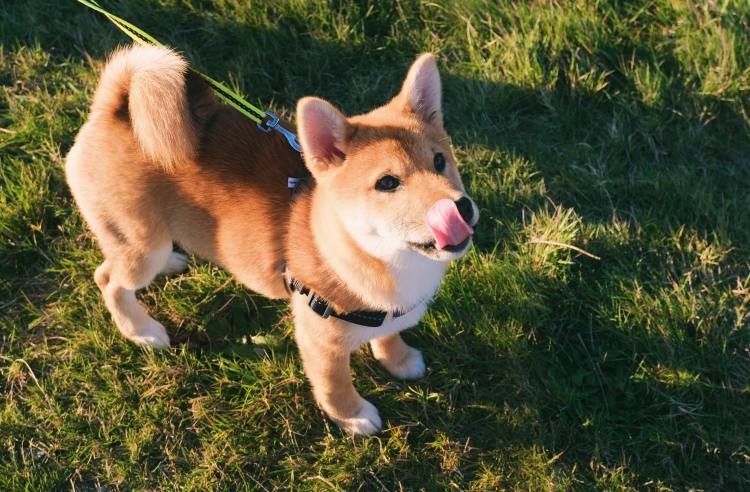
[272,123]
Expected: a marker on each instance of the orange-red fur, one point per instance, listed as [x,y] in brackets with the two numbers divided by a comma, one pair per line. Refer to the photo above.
[161,161]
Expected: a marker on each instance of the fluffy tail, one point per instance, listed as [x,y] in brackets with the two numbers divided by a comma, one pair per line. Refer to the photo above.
[146,86]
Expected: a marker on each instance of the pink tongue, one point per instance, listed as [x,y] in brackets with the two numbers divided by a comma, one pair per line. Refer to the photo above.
[446,224]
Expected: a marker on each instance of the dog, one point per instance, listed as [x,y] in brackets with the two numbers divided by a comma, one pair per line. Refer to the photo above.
[360,249]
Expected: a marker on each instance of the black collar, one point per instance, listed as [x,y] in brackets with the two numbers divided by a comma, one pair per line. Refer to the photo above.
[322,308]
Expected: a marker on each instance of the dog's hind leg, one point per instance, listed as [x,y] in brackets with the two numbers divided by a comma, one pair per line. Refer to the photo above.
[119,277]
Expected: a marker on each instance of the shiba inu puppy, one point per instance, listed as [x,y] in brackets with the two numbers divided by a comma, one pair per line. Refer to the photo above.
[360,250]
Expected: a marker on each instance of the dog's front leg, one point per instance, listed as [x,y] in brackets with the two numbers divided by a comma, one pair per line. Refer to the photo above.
[325,358]
[401,360]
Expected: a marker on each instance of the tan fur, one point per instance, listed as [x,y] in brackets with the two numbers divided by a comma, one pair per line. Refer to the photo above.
[161,161]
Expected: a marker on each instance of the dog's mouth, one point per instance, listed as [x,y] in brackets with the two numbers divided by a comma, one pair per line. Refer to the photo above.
[431,248]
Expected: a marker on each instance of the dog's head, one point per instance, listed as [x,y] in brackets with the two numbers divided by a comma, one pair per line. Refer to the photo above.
[390,175]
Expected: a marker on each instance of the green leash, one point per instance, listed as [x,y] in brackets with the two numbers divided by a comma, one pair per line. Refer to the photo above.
[265,120]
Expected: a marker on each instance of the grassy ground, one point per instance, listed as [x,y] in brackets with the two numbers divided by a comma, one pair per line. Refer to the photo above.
[621,128]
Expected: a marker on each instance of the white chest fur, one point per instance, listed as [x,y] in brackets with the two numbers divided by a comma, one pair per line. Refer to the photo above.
[417,279]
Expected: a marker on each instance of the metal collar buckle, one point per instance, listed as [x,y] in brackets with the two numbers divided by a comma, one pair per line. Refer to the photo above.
[272,123]
[319,306]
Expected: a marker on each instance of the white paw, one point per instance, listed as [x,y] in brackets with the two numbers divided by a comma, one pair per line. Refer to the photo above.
[366,421]
[413,366]
[410,367]
[177,263]
[153,334]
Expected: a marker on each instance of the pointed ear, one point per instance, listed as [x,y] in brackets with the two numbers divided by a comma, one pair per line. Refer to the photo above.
[323,133]
[422,91]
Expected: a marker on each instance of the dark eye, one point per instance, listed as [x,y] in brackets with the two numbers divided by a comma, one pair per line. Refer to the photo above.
[387,183]
[439,162]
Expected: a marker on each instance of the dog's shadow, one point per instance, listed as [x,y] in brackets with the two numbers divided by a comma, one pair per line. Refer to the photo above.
[609,160]
[221,318]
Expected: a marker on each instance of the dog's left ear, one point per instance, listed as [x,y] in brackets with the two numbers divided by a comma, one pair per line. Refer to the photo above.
[422,93]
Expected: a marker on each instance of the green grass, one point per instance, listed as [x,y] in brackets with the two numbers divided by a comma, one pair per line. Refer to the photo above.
[622,128]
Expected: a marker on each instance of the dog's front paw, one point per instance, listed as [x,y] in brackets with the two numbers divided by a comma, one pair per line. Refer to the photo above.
[411,366]
[177,263]
[366,421]
[153,334]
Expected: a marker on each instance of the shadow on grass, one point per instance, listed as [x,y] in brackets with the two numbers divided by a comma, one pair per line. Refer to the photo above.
[575,371]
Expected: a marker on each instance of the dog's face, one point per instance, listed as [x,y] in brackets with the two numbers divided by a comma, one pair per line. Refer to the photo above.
[389,175]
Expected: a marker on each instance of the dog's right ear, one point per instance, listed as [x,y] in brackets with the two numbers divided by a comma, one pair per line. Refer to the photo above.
[323,133]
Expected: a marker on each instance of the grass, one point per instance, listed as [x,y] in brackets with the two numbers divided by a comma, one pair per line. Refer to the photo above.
[621,128]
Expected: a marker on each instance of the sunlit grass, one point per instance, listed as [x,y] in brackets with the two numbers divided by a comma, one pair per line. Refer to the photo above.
[595,338]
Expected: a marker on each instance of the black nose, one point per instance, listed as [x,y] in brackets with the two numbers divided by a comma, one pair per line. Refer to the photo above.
[466,209]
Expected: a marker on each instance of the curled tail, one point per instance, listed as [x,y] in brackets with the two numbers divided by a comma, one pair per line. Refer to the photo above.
[146,85]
